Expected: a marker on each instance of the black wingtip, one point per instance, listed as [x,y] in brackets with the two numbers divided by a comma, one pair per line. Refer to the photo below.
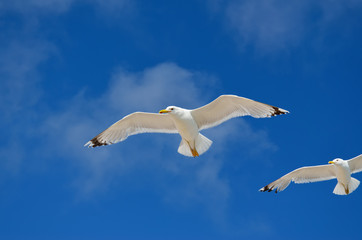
[268,189]
[96,143]
[278,111]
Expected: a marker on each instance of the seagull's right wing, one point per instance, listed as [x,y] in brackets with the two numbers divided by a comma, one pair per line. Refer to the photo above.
[355,164]
[132,124]
[226,107]
[302,175]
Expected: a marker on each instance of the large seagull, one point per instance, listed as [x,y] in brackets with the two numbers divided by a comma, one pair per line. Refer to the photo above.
[186,122]
[338,168]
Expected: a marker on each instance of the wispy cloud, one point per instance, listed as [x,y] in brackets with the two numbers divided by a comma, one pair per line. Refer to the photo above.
[40,7]
[25,47]
[273,25]
[165,84]
[19,64]
[20,93]
[57,6]
[22,52]
[267,24]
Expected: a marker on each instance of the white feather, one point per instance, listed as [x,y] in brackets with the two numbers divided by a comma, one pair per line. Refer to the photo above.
[226,107]
[355,164]
[339,189]
[138,122]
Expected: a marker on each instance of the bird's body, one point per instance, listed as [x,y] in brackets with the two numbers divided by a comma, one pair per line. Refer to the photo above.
[342,172]
[185,124]
[188,123]
[338,168]
[187,128]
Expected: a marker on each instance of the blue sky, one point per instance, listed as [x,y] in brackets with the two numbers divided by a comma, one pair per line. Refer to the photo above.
[70,68]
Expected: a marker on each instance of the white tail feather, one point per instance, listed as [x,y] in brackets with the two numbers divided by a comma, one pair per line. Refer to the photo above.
[184,149]
[353,184]
[339,189]
[202,144]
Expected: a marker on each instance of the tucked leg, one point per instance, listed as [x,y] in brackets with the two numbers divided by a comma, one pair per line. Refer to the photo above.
[193,150]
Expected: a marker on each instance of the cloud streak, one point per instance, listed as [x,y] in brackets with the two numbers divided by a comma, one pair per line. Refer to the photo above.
[273,25]
[267,24]
[40,7]
[18,70]
[20,93]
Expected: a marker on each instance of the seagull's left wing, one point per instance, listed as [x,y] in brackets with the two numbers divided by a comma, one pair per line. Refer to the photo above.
[355,164]
[229,106]
[301,175]
[138,122]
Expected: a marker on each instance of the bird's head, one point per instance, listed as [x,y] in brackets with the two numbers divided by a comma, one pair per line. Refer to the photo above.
[337,161]
[170,109]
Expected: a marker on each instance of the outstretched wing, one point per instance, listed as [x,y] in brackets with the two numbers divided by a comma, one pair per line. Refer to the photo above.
[355,164]
[132,124]
[302,175]
[229,106]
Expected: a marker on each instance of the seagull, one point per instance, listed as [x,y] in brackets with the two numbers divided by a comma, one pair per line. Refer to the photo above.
[338,168]
[188,123]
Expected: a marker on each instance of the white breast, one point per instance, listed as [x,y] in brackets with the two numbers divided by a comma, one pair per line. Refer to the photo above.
[186,125]
[343,173]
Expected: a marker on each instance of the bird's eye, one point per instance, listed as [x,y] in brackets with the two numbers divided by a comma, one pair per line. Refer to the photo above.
[171,109]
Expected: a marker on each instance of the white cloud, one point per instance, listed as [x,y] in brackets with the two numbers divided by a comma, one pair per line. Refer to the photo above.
[267,24]
[57,6]
[22,52]
[113,7]
[19,62]
[333,9]
[40,7]
[165,84]
[274,25]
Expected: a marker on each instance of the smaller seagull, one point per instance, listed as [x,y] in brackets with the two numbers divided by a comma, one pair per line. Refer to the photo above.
[338,168]
[186,122]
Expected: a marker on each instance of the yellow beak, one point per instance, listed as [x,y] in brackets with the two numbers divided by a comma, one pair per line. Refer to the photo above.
[164,111]
[330,162]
